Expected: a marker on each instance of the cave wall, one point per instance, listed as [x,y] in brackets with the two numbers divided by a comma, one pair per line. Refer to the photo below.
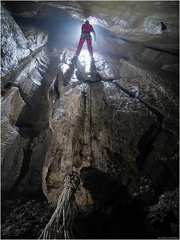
[115,123]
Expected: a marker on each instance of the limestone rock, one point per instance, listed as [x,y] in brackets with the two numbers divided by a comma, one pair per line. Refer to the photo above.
[114,120]
[13,44]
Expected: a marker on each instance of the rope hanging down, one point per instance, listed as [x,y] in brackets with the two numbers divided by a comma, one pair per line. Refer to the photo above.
[66,223]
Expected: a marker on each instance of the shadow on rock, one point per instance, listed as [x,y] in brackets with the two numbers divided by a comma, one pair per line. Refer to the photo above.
[115,214]
[102,187]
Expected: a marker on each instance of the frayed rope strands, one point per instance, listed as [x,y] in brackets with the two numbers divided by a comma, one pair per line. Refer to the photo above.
[65,222]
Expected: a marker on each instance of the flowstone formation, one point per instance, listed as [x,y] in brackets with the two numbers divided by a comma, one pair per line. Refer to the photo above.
[114,121]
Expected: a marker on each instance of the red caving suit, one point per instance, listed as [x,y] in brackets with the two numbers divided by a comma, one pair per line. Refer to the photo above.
[85,35]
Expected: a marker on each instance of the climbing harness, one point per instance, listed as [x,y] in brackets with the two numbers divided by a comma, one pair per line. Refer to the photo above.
[66,223]
[86,35]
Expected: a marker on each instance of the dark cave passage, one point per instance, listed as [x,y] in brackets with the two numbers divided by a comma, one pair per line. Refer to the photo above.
[24,169]
[145,145]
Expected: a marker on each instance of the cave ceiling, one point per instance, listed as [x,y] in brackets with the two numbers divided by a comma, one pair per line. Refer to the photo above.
[154,23]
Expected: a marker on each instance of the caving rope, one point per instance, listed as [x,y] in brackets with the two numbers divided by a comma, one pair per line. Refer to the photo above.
[90,124]
[66,223]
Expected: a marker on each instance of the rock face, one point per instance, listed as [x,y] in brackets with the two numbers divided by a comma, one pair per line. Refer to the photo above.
[114,120]
[13,43]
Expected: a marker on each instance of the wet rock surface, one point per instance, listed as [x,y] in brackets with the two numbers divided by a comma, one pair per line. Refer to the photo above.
[114,120]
